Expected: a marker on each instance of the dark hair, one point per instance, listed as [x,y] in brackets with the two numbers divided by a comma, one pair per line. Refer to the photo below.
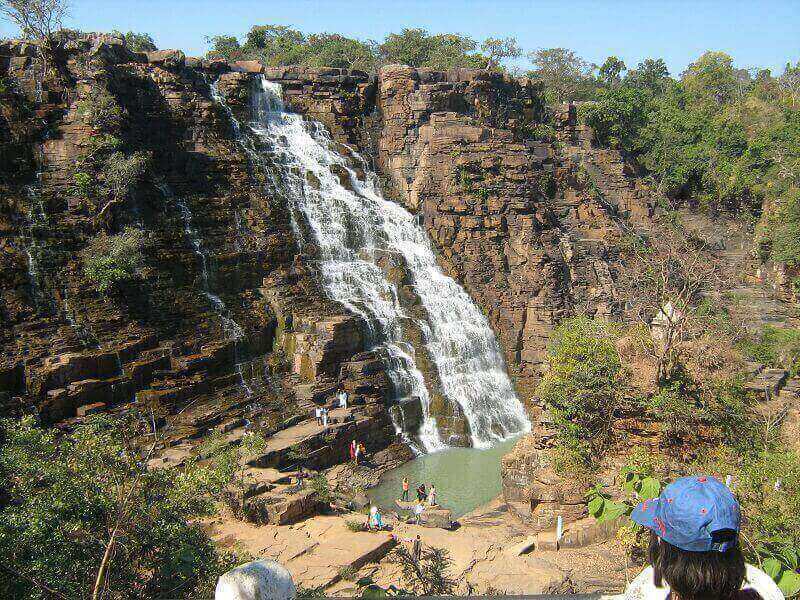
[698,575]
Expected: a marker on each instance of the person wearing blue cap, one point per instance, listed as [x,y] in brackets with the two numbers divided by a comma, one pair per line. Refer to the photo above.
[694,546]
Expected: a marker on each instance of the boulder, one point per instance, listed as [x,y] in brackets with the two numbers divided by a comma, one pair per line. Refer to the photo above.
[169,59]
[257,580]
[247,66]
[111,50]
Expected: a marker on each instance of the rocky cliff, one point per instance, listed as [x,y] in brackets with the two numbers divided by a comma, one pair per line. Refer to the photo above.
[230,314]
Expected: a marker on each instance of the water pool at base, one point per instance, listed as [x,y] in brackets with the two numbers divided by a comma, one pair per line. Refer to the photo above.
[465,478]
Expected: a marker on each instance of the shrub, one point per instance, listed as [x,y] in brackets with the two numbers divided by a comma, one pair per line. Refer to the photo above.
[121,173]
[84,183]
[101,110]
[354,526]
[109,260]
[583,386]
[64,495]
[774,347]
[320,485]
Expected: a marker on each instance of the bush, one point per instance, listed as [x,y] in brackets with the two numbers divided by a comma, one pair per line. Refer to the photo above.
[84,183]
[121,173]
[583,385]
[766,481]
[775,347]
[63,495]
[101,110]
[109,260]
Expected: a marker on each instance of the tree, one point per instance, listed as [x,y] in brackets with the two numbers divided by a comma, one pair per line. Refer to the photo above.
[610,74]
[618,117]
[40,20]
[650,74]
[711,78]
[409,47]
[224,46]
[334,50]
[82,515]
[138,42]
[563,72]
[583,384]
[276,45]
[498,50]
[789,84]
[665,278]
[429,575]
[417,48]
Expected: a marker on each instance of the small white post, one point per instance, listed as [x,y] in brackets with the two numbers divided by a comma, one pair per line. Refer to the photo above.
[559,527]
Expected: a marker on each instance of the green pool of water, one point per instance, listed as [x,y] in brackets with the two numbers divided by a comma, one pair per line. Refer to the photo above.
[465,478]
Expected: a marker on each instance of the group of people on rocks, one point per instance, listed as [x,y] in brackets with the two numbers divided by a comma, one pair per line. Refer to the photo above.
[321,412]
[423,496]
[357,451]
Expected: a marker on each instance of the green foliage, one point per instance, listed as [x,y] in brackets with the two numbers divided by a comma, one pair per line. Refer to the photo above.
[428,576]
[635,487]
[84,183]
[320,484]
[785,230]
[334,50]
[774,347]
[101,110]
[582,387]
[418,48]
[618,116]
[766,481]
[610,72]
[65,493]
[109,260]
[122,172]
[354,526]
[565,75]
[224,46]
[138,42]
[499,50]
[602,507]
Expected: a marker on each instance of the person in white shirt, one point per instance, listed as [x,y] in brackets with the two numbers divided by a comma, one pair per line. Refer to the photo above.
[342,399]
[418,508]
[694,549]
[318,415]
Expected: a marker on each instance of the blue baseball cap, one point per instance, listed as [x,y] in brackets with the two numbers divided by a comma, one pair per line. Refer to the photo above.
[689,512]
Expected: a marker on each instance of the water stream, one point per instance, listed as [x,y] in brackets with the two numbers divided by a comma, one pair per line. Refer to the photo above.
[347,225]
[232,329]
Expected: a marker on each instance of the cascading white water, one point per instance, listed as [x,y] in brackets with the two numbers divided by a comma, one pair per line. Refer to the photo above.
[352,230]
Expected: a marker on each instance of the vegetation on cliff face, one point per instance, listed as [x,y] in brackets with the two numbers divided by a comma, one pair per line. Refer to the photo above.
[719,138]
[110,260]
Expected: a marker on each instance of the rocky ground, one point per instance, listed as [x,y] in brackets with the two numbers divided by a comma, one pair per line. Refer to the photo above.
[490,553]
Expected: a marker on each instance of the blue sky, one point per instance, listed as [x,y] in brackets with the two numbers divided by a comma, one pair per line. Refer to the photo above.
[756,33]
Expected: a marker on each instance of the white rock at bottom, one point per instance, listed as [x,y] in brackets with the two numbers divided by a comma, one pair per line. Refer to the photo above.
[257,580]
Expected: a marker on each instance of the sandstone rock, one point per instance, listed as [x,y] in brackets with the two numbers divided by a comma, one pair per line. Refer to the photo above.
[282,509]
[90,409]
[169,59]
[247,66]
[111,50]
[257,580]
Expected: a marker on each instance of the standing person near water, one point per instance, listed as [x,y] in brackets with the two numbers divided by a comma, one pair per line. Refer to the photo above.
[357,451]
[694,547]
[325,418]
[318,415]
[352,450]
[404,497]
[342,396]
[432,496]
[418,508]
[421,493]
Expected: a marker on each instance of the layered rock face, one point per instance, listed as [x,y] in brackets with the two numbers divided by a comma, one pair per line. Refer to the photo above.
[522,212]
[228,324]
[509,201]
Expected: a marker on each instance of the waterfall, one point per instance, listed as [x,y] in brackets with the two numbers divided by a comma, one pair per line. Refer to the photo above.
[351,229]
[231,327]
